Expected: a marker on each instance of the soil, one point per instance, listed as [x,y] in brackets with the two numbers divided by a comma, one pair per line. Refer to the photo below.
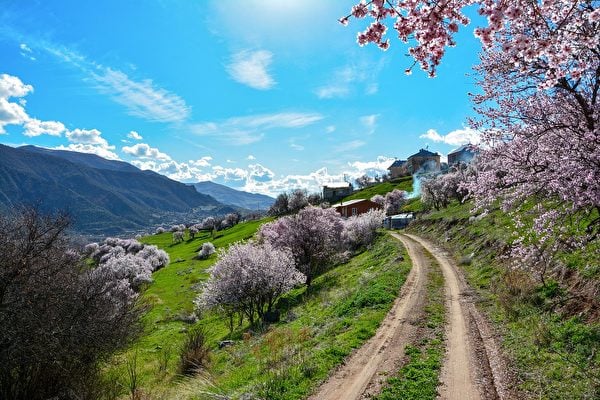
[474,367]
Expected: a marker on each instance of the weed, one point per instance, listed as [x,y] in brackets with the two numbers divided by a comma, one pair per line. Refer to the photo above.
[195,353]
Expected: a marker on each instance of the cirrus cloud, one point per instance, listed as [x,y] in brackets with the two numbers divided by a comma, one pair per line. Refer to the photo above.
[251,68]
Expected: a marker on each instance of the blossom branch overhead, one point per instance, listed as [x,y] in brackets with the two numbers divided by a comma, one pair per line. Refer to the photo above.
[550,33]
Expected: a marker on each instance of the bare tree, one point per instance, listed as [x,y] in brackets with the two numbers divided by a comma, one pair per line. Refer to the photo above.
[59,318]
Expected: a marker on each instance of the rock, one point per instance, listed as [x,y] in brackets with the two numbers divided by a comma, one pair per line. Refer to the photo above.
[226,343]
[467,260]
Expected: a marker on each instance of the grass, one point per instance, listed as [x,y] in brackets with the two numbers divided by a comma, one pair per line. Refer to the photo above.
[404,183]
[169,304]
[319,329]
[555,351]
[285,360]
[418,378]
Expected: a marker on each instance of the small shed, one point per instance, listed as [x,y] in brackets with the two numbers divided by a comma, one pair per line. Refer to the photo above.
[355,207]
[398,221]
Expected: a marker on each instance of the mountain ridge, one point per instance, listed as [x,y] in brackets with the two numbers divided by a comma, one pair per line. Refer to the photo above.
[227,195]
[103,196]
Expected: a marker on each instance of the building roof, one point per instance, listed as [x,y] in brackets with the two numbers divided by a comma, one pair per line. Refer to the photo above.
[349,203]
[397,163]
[401,216]
[424,153]
[336,185]
[466,147]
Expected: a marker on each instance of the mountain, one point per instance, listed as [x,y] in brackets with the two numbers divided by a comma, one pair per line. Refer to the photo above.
[103,196]
[227,195]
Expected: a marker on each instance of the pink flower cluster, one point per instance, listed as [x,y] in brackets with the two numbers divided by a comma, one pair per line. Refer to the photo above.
[550,33]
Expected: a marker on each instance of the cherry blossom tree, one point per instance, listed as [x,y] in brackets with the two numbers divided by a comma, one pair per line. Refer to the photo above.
[313,236]
[394,201]
[379,199]
[127,260]
[178,236]
[361,230]
[248,279]
[547,33]
[538,107]
[206,250]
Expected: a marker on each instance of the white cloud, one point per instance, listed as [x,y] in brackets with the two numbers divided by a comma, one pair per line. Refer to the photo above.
[143,150]
[12,113]
[250,129]
[104,152]
[372,168]
[141,98]
[330,129]
[35,127]
[202,162]
[12,86]
[457,137]
[26,51]
[89,141]
[86,136]
[332,91]
[372,88]
[251,68]
[134,135]
[257,178]
[369,122]
[229,174]
[250,157]
[345,80]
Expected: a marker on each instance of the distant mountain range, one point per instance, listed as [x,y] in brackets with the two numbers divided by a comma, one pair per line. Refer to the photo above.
[103,196]
[227,195]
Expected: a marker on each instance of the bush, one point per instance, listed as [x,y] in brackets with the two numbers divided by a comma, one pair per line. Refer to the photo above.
[207,249]
[195,353]
[59,318]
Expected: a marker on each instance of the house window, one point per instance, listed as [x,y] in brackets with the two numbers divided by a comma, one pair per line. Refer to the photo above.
[354,211]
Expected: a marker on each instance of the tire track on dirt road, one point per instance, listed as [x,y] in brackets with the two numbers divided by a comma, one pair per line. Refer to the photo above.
[474,367]
[359,375]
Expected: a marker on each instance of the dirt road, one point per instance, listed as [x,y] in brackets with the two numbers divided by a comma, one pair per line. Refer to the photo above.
[473,366]
[359,375]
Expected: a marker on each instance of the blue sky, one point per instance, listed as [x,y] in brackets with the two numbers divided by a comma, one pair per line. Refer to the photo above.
[262,95]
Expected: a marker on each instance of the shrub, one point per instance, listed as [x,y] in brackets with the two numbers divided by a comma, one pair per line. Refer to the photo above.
[59,318]
[178,236]
[207,249]
[195,353]
[361,230]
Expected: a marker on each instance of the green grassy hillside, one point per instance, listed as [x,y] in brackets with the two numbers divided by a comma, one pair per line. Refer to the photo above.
[550,331]
[404,183]
[283,361]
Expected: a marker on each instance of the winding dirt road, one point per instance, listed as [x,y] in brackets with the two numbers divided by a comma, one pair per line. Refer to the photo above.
[358,376]
[473,366]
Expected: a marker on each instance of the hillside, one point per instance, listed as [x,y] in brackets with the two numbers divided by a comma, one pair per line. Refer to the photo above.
[104,197]
[227,195]
[285,361]
[548,324]
[404,183]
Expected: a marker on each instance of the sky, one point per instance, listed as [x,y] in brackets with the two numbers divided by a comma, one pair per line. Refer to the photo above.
[260,95]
